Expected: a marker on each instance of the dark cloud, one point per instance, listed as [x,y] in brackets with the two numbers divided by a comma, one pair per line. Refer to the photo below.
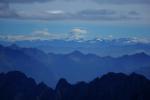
[97,12]
[134,13]
[116,1]
[98,1]
[85,15]
[123,1]
[23,1]
[102,14]
[6,12]
[3,6]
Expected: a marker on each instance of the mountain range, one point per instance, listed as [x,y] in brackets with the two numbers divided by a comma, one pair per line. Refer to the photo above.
[15,85]
[74,66]
[15,58]
[101,47]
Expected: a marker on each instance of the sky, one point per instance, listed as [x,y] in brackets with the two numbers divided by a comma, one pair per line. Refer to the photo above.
[74,19]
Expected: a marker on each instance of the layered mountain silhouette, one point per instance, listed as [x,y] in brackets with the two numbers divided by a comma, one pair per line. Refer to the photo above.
[74,66]
[15,85]
[22,59]
[101,47]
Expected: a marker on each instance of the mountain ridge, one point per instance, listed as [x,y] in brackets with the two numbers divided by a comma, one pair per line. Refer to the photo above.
[70,66]
[104,47]
[15,85]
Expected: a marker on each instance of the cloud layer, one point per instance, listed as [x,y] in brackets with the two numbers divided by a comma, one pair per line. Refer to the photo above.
[74,34]
[77,34]
[23,1]
[86,15]
[97,1]
[123,1]
[92,10]
[6,12]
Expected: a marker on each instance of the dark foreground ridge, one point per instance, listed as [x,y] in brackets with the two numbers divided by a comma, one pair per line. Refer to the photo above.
[112,86]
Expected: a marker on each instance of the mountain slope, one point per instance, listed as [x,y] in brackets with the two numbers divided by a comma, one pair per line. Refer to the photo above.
[17,86]
[74,66]
[101,47]
[77,66]
[112,86]
[16,59]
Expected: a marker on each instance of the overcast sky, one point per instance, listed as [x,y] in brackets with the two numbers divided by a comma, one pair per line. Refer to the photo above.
[93,18]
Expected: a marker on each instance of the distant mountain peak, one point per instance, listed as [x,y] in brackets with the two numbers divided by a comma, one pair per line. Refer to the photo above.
[62,83]
[14,46]
[111,75]
[16,75]
[135,75]
[141,54]
[137,55]
[76,53]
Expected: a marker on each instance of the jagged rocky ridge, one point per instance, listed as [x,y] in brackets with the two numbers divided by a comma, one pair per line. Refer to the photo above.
[112,86]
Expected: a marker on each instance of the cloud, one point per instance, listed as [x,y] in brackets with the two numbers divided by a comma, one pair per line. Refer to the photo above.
[137,40]
[41,33]
[36,35]
[116,1]
[6,12]
[134,13]
[97,12]
[23,1]
[123,1]
[97,1]
[78,30]
[74,34]
[104,15]
[44,15]
[77,34]
[3,5]
[85,15]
